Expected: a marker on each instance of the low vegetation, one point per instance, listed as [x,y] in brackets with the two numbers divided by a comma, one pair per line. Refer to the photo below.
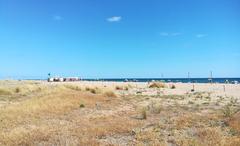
[109,94]
[157,85]
[5,92]
[121,87]
[73,87]
[172,86]
[81,105]
[143,113]
[93,90]
[234,121]
[74,114]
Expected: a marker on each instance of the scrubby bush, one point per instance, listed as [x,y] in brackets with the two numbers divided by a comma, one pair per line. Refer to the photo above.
[156,109]
[157,85]
[233,100]
[92,90]
[227,111]
[119,88]
[144,113]
[87,89]
[122,88]
[17,90]
[172,86]
[81,105]
[234,121]
[109,94]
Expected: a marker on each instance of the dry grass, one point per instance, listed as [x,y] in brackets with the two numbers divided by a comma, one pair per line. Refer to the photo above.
[143,113]
[66,114]
[54,118]
[157,85]
[93,90]
[155,108]
[234,121]
[5,92]
[172,86]
[73,87]
[109,94]
[122,87]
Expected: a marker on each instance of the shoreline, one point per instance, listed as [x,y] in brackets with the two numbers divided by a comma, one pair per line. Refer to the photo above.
[147,80]
[112,110]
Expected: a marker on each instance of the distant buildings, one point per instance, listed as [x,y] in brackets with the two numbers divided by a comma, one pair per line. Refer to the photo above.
[60,79]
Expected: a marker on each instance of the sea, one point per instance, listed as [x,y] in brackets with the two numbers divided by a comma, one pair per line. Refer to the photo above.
[175,80]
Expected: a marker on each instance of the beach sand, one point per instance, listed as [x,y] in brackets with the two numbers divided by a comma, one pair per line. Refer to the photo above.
[119,113]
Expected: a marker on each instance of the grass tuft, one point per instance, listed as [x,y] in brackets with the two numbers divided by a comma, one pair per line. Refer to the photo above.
[17,90]
[157,85]
[81,105]
[72,87]
[5,92]
[109,94]
[93,90]
[122,88]
[227,111]
[172,86]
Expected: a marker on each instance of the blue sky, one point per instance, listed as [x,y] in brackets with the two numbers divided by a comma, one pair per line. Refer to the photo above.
[120,38]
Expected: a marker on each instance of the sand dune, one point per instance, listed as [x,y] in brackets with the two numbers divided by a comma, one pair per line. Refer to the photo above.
[118,113]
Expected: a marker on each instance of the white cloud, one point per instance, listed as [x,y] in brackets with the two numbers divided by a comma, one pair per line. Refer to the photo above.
[114,19]
[164,34]
[170,34]
[201,35]
[57,17]
[176,33]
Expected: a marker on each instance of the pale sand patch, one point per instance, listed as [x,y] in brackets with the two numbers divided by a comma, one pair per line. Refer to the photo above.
[232,90]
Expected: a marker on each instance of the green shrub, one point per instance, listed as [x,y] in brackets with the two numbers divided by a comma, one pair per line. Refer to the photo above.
[81,105]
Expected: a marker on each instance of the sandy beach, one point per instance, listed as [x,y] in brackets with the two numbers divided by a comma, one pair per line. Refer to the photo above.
[119,113]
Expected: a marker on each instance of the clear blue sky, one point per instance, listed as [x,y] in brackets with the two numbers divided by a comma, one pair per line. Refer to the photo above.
[119,38]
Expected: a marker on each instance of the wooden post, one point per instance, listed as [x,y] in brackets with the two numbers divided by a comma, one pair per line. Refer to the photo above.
[192,90]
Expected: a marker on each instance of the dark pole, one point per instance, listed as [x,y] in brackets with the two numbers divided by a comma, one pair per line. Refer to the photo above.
[189,77]
[211,78]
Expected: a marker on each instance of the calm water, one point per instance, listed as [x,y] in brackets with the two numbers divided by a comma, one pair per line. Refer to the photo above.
[183,80]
